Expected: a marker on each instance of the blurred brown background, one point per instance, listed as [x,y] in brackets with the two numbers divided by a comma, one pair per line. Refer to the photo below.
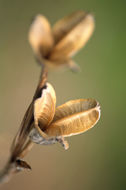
[97,159]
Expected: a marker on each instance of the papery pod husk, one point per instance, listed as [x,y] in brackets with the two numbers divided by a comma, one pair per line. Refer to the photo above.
[62,27]
[44,107]
[40,36]
[74,117]
[71,34]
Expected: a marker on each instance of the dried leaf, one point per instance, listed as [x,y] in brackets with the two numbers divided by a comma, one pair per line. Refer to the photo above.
[71,34]
[21,164]
[74,117]
[44,107]
[40,36]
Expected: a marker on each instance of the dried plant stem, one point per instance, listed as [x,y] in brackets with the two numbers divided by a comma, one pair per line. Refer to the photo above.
[26,149]
[7,173]
[22,144]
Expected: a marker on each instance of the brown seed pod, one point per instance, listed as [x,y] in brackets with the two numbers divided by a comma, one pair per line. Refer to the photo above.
[74,117]
[40,36]
[71,34]
[56,46]
[44,107]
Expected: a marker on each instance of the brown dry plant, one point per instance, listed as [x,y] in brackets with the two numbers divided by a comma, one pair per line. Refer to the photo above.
[43,122]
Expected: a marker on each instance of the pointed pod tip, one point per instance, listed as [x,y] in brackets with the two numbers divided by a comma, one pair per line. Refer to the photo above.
[74,68]
[99,109]
[36,17]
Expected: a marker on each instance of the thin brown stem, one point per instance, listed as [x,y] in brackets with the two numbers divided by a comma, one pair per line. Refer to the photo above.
[7,172]
[26,149]
[22,144]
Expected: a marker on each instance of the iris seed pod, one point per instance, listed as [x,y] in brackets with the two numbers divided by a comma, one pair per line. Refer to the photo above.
[72,118]
[55,46]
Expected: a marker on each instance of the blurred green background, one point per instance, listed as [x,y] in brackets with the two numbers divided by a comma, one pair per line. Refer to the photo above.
[96,159]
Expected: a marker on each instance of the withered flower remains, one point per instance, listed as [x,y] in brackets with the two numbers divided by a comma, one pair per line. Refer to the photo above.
[43,122]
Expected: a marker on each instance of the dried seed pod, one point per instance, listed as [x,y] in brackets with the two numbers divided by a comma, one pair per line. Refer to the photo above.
[44,107]
[74,117]
[55,47]
[40,36]
[71,34]
[62,27]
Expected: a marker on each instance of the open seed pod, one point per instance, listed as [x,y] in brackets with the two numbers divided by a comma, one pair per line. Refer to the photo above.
[40,36]
[44,107]
[72,118]
[71,34]
[56,46]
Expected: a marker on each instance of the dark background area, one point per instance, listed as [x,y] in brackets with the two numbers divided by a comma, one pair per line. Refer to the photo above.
[96,159]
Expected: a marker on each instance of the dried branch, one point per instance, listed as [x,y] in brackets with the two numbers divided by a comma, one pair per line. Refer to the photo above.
[22,144]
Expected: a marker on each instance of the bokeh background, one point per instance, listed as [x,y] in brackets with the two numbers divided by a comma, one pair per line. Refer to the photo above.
[96,159]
